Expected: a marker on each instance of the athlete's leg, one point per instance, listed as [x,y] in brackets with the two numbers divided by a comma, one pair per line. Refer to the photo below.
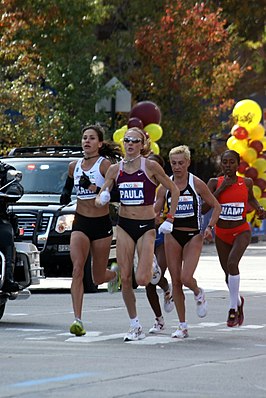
[100,249]
[125,247]
[174,253]
[79,251]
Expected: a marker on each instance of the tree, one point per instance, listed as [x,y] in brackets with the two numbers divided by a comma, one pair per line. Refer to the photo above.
[27,111]
[186,68]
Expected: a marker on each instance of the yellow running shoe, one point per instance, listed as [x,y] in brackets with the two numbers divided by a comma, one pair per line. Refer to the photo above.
[77,328]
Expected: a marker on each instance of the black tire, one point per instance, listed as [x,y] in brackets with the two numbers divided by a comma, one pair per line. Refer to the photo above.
[2,309]
[89,286]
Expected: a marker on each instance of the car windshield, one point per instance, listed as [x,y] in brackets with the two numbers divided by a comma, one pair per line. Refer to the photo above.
[43,177]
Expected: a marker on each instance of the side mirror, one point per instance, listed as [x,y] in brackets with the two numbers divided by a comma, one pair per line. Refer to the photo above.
[14,175]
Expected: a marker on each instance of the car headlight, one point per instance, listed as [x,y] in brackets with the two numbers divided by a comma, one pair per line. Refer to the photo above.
[64,223]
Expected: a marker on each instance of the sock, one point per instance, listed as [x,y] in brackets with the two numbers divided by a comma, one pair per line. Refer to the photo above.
[160,319]
[233,285]
[183,325]
[134,323]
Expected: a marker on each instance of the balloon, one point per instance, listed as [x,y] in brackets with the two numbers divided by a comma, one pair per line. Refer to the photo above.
[154,130]
[260,165]
[240,146]
[247,113]
[239,132]
[231,142]
[155,148]
[118,134]
[263,140]
[261,183]
[121,142]
[148,112]
[135,122]
[257,145]
[242,166]
[262,202]
[250,215]
[257,132]
[249,155]
[256,191]
[251,172]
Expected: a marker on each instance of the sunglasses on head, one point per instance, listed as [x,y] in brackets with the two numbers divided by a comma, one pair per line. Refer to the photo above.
[132,139]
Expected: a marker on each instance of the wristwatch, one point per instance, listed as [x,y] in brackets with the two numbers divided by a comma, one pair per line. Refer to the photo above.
[211,227]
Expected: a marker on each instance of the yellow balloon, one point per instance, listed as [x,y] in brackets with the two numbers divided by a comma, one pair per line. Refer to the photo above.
[256,191]
[121,142]
[240,146]
[263,140]
[155,148]
[250,155]
[262,202]
[262,174]
[247,113]
[250,215]
[231,142]
[118,134]
[257,132]
[260,165]
[154,130]
[124,128]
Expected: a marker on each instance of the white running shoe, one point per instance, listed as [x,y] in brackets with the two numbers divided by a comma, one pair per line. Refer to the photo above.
[157,327]
[134,334]
[180,333]
[202,304]
[169,304]
[156,271]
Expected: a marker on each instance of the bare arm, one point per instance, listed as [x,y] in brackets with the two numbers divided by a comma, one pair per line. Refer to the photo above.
[167,183]
[110,177]
[211,202]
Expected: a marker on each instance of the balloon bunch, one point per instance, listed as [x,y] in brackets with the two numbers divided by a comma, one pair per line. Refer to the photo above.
[145,115]
[249,140]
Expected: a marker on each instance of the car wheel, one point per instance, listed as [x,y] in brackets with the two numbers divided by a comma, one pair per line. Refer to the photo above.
[2,309]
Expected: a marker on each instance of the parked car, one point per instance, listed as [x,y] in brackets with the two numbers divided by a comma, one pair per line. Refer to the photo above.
[41,218]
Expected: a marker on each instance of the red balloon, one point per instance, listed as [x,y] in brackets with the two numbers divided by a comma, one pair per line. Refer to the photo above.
[135,122]
[262,155]
[257,145]
[251,172]
[261,183]
[240,133]
[242,166]
[148,112]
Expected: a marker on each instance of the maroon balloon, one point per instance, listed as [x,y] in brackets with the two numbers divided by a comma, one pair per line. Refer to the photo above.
[242,166]
[148,112]
[240,133]
[251,172]
[135,122]
[257,145]
[260,182]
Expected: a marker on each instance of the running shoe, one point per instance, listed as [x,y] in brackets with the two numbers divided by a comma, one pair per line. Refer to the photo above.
[240,311]
[169,304]
[157,327]
[232,319]
[180,333]
[156,271]
[77,328]
[134,334]
[202,304]
[114,285]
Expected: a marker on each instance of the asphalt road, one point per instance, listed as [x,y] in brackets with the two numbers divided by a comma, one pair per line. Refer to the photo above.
[39,357]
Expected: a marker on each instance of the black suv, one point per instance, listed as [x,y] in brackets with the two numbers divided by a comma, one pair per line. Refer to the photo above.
[41,218]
